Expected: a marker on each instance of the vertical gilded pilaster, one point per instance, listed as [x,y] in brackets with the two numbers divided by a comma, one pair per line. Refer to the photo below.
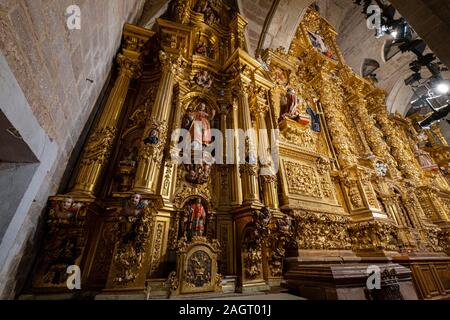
[249,169]
[99,146]
[151,155]
[236,184]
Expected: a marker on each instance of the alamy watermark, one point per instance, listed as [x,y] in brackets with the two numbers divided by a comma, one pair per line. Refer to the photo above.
[73,17]
[374,278]
[74,279]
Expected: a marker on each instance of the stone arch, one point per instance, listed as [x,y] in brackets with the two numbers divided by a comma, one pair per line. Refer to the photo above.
[390,49]
[368,67]
[399,98]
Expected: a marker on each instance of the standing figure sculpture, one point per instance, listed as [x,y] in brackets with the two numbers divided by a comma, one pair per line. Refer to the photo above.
[292,108]
[318,42]
[195,219]
[199,126]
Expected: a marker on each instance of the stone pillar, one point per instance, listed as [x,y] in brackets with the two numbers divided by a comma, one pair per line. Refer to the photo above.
[100,143]
[151,155]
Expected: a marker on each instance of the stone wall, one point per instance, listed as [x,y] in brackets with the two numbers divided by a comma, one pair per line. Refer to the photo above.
[61,74]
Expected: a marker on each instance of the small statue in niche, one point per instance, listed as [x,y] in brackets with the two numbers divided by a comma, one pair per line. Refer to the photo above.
[133,212]
[199,126]
[126,169]
[292,108]
[205,50]
[203,79]
[318,42]
[153,137]
[422,156]
[195,219]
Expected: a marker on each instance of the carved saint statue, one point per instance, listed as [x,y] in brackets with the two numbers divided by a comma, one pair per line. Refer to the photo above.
[319,43]
[130,158]
[199,126]
[153,137]
[195,215]
[292,108]
[133,213]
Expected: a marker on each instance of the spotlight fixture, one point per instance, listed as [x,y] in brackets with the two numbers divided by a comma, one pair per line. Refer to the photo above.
[436,116]
[442,88]
[394,34]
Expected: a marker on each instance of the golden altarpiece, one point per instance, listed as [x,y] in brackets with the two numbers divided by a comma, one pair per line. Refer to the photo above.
[349,189]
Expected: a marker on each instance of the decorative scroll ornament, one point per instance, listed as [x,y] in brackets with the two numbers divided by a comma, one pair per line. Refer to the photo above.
[134,236]
[315,231]
[279,238]
[99,146]
[129,66]
[370,235]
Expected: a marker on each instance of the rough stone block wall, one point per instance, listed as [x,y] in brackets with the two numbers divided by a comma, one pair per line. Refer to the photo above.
[52,65]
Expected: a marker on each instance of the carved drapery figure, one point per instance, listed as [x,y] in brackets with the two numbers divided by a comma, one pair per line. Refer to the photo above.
[318,42]
[199,126]
[203,79]
[135,228]
[293,108]
[195,219]
[65,239]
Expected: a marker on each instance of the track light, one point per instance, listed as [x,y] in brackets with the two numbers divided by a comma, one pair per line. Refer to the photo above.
[442,88]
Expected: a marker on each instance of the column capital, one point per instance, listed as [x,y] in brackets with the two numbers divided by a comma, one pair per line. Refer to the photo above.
[129,66]
[170,63]
[135,38]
